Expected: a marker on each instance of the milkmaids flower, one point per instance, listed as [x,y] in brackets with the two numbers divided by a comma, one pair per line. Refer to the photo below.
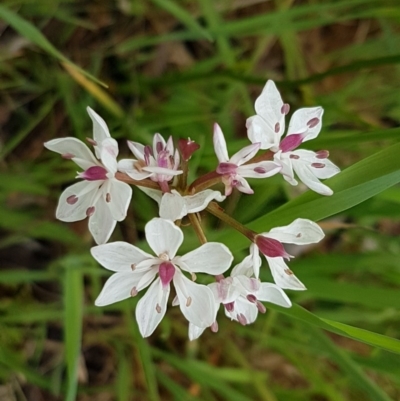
[159,163]
[174,206]
[267,128]
[99,196]
[241,294]
[234,170]
[135,270]
[299,232]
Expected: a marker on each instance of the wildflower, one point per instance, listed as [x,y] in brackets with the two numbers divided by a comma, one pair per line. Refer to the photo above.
[241,294]
[234,170]
[159,163]
[299,232]
[135,270]
[267,128]
[100,196]
[174,206]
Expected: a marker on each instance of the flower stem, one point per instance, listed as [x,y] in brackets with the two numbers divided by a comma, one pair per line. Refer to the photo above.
[217,211]
[142,183]
[204,182]
[194,219]
[268,155]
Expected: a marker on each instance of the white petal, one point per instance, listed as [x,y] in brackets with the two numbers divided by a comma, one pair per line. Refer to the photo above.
[120,194]
[328,171]
[172,206]
[220,145]
[310,157]
[157,138]
[161,170]
[85,191]
[195,332]
[100,129]
[243,186]
[246,284]
[287,169]
[224,291]
[247,309]
[307,176]
[137,149]
[198,202]
[299,232]
[250,264]
[259,131]
[83,157]
[147,316]
[211,257]
[163,236]
[108,154]
[154,194]
[196,301]
[101,223]
[117,288]
[300,118]
[245,154]
[253,170]
[119,256]
[269,292]
[283,276]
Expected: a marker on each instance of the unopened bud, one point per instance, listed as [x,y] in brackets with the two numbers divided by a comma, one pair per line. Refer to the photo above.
[187,147]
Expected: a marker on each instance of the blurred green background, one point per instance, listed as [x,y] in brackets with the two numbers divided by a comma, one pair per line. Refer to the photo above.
[176,67]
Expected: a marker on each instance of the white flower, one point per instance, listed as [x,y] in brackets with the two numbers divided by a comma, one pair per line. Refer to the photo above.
[267,128]
[299,232]
[159,163]
[100,196]
[174,206]
[234,170]
[241,294]
[135,270]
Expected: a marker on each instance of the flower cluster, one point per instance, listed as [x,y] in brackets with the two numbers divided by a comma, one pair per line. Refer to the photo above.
[161,171]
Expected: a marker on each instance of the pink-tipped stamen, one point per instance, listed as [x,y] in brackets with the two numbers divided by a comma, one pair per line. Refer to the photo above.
[313,122]
[322,154]
[71,200]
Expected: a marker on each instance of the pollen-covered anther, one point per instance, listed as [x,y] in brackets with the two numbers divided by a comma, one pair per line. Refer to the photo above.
[241,319]
[277,127]
[214,327]
[90,211]
[251,298]
[188,301]
[71,200]
[318,165]
[158,308]
[285,108]
[108,197]
[260,170]
[294,157]
[67,156]
[322,154]
[288,272]
[313,122]
[139,164]
[298,235]
[134,292]
[194,277]
[133,266]
[91,141]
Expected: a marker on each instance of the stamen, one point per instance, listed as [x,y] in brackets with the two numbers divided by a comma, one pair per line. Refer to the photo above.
[147,153]
[288,272]
[230,306]
[159,147]
[91,141]
[194,277]
[90,211]
[285,108]
[188,301]
[251,298]
[294,157]
[277,127]
[133,266]
[318,165]
[298,235]
[67,156]
[241,319]
[158,308]
[313,122]
[108,197]
[322,154]
[71,200]
[134,292]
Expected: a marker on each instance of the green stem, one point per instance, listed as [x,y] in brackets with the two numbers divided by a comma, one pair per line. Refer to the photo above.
[217,211]
[194,220]
[204,182]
